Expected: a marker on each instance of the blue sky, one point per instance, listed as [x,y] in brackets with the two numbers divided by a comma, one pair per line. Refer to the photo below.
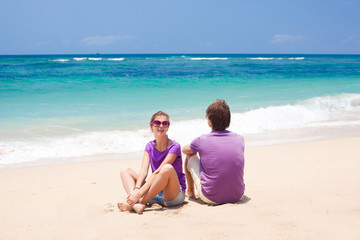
[183,26]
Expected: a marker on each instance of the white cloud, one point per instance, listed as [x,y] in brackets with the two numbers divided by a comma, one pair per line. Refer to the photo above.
[285,38]
[103,40]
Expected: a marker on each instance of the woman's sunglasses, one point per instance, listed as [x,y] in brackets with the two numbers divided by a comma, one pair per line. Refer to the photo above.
[157,123]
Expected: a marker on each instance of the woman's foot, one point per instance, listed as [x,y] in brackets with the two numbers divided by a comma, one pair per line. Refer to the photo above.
[124,206]
[139,208]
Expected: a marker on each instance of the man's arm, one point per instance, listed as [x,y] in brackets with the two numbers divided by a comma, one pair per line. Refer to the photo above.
[187,150]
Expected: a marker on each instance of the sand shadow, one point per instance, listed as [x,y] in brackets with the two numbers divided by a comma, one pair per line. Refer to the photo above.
[175,209]
[153,208]
[245,199]
[158,208]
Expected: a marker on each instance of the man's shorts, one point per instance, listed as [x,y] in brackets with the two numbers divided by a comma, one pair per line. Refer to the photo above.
[194,169]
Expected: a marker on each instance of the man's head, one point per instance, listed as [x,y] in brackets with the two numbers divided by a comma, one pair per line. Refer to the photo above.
[218,113]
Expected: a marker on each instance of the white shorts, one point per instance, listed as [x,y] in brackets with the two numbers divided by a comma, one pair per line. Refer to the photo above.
[194,169]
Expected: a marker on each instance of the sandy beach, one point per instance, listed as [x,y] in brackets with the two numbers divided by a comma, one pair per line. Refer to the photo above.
[305,190]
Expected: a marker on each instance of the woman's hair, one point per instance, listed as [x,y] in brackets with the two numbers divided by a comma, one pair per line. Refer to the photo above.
[219,115]
[158,113]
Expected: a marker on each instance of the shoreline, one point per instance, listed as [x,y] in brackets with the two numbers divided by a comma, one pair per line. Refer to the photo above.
[268,138]
[72,160]
[302,190]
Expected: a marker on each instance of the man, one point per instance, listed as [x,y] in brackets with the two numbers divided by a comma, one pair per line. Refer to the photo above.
[218,175]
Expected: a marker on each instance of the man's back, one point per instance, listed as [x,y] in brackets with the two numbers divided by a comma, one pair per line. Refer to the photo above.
[221,165]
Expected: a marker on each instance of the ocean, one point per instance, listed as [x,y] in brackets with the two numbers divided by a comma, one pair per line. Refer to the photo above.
[65,106]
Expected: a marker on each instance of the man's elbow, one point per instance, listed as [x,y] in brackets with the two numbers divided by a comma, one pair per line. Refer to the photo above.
[187,150]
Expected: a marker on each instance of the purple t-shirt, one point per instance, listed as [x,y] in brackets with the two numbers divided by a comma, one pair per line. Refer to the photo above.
[221,165]
[156,158]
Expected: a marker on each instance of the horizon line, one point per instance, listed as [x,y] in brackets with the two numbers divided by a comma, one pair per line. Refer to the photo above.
[72,54]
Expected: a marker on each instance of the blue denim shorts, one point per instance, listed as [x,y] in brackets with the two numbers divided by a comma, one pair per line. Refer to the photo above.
[159,199]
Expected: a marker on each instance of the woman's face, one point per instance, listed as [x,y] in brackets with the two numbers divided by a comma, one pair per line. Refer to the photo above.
[160,130]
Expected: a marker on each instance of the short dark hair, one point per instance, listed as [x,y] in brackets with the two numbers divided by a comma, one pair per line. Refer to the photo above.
[158,113]
[219,115]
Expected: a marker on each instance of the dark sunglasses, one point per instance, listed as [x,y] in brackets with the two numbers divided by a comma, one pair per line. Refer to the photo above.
[157,123]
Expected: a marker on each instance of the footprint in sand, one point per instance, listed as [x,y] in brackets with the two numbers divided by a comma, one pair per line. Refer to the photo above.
[109,207]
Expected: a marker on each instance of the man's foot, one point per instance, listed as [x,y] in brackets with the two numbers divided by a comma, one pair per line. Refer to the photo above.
[124,206]
[139,208]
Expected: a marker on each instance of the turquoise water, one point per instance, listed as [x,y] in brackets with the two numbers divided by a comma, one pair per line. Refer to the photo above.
[74,105]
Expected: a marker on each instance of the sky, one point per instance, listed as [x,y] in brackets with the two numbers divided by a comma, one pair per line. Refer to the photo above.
[183,26]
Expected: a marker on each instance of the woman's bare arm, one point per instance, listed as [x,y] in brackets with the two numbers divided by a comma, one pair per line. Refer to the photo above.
[143,170]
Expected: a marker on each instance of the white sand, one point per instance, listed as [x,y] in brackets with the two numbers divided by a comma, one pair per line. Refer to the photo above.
[308,190]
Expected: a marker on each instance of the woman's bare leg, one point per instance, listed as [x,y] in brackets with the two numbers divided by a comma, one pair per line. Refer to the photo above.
[166,181]
[128,179]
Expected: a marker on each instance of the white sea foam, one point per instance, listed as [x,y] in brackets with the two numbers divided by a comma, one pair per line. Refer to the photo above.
[339,110]
[213,58]
[272,58]
[261,58]
[94,59]
[77,145]
[116,59]
[297,58]
[80,59]
[60,60]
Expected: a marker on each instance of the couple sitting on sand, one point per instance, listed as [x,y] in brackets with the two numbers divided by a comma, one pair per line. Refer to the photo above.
[217,175]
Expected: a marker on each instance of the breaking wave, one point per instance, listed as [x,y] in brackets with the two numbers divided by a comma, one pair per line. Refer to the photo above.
[336,110]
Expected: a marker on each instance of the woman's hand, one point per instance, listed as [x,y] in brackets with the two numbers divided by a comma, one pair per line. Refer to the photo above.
[134,197]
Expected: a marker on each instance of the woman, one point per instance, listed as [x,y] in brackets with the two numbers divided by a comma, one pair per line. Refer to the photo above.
[166,186]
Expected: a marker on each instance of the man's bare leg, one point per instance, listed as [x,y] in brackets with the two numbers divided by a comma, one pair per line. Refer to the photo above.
[190,193]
